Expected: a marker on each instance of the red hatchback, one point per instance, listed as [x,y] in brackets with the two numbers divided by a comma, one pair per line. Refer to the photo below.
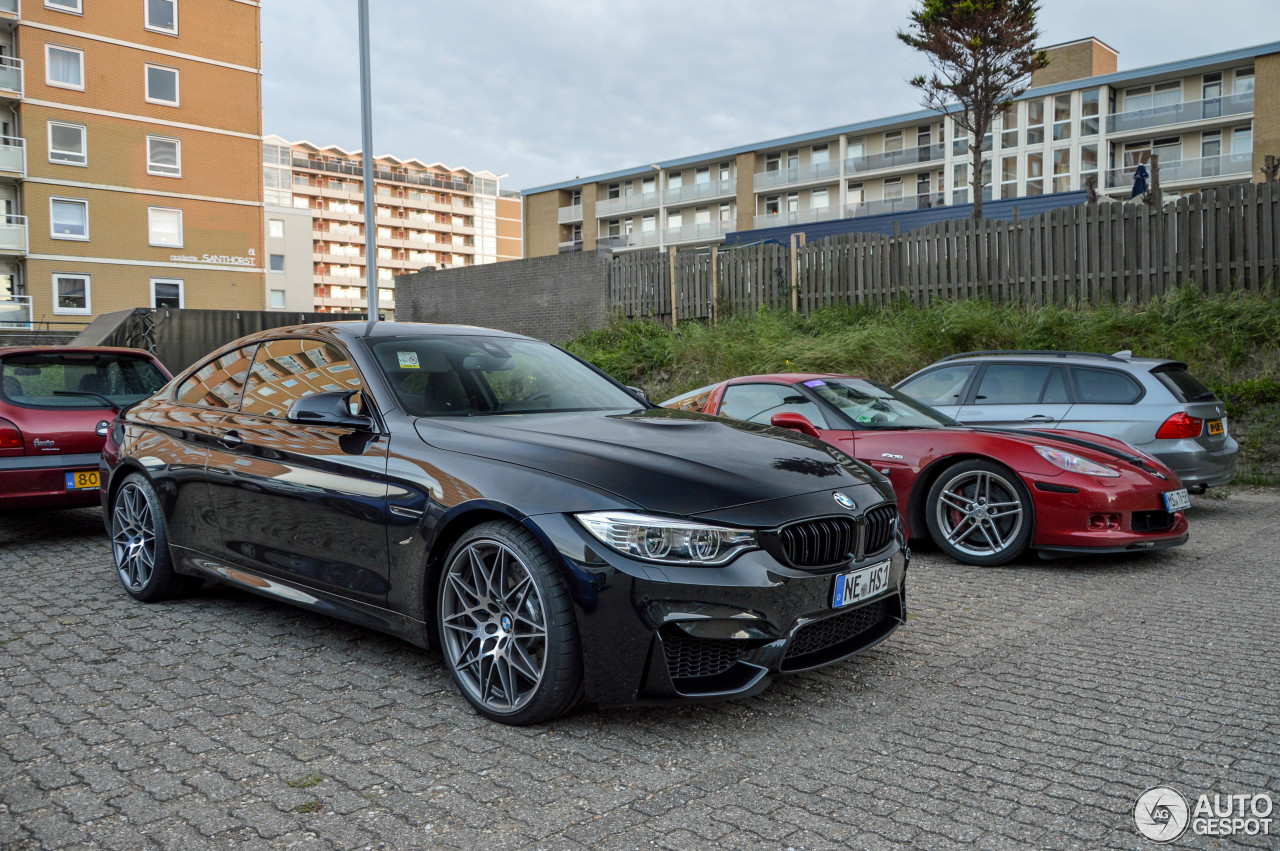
[56,405]
[984,495]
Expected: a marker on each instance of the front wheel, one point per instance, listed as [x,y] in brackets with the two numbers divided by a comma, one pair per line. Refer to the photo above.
[979,512]
[507,627]
[140,544]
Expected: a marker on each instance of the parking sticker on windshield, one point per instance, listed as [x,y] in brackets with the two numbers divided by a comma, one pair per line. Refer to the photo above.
[408,360]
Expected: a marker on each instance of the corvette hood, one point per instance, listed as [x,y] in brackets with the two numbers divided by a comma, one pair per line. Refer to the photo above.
[661,460]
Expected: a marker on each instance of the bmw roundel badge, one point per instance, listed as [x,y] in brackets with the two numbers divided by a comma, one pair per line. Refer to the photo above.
[844,500]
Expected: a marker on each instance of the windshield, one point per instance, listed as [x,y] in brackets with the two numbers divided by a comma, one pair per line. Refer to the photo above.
[31,380]
[481,376]
[872,405]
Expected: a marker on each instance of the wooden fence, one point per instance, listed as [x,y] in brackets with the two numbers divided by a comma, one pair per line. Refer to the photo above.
[1220,239]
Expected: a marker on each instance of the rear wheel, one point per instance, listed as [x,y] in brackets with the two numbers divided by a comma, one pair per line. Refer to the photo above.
[979,512]
[140,544]
[507,627]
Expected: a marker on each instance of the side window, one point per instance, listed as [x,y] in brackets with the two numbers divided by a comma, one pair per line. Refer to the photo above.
[942,386]
[1105,387]
[218,383]
[1055,391]
[286,370]
[758,403]
[1011,384]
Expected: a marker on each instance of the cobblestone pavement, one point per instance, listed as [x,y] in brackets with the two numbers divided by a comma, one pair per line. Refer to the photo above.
[1020,707]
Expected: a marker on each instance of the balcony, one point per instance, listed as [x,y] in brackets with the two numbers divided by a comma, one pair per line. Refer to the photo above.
[13,235]
[10,77]
[1207,169]
[15,311]
[13,156]
[696,232]
[10,10]
[1181,113]
[904,204]
[701,191]
[796,174]
[569,215]
[796,217]
[625,203]
[570,246]
[930,154]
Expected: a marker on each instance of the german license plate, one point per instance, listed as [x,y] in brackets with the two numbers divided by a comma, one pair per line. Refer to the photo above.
[860,585]
[1176,500]
[1217,427]
[82,481]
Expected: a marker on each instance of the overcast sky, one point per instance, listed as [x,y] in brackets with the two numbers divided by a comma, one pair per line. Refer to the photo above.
[548,90]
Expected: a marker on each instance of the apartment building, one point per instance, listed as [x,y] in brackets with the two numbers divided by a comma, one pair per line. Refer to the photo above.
[428,215]
[1080,120]
[130,142]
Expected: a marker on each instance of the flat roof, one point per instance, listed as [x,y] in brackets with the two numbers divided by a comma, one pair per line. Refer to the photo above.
[919,116]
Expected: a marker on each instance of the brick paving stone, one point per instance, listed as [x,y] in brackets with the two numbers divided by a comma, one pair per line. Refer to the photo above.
[1023,706]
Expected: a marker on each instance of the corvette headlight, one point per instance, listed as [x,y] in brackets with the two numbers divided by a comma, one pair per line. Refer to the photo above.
[1074,463]
[667,540]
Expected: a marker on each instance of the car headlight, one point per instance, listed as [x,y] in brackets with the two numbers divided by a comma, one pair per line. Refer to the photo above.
[1074,463]
[667,540]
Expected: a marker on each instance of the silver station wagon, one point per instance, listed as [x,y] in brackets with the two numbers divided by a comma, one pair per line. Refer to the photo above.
[1154,405]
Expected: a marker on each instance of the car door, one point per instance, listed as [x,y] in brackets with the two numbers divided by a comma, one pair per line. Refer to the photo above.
[302,502]
[942,389]
[1107,402]
[1017,395]
[758,403]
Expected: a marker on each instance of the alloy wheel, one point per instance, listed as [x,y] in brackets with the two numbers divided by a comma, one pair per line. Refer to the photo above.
[133,537]
[494,626]
[979,513]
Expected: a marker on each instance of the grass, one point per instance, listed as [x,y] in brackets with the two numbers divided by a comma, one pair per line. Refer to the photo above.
[1231,342]
[306,782]
[309,807]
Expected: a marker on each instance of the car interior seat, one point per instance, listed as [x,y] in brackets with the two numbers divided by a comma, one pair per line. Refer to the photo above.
[12,387]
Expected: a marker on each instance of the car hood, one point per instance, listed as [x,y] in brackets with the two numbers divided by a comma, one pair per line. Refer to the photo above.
[673,462]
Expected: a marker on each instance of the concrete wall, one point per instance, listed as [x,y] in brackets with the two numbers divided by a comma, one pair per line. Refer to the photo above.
[551,298]
[296,279]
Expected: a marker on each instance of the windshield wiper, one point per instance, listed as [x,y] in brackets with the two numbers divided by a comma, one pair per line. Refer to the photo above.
[115,406]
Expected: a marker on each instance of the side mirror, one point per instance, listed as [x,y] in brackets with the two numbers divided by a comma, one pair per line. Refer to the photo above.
[329,409]
[794,422]
[639,391]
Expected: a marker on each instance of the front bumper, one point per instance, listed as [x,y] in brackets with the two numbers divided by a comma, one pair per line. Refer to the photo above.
[659,633]
[1104,515]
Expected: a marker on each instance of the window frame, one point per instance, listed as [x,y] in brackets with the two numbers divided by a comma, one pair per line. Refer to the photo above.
[84,142]
[88,294]
[146,84]
[270,229]
[182,237]
[263,345]
[194,375]
[84,202]
[975,383]
[48,66]
[57,7]
[270,264]
[178,156]
[822,422]
[284,299]
[146,22]
[182,291]
[1078,397]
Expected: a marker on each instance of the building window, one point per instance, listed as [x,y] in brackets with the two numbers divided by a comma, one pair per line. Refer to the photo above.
[857,147]
[68,144]
[857,194]
[702,176]
[69,218]
[1009,177]
[1242,84]
[772,163]
[675,219]
[819,199]
[277,263]
[166,292]
[162,16]
[64,5]
[1035,173]
[892,188]
[164,156]
[162,85]
[1088,161]
[793,158]
[1242,140]
[893,141]
[960,183]
[726,213]
[275,228]
[71,294]
[702,215]
[276,299]
[1061,169]
[164,226]
[64,67]
[648,187]
[726,172]
[1035,122]
[675,181]
[1062,117]
[1009,127]
[771,205]
[1153,97]
[820,155]
[614,190]
[1210,148]
[1089,104]
[648,224]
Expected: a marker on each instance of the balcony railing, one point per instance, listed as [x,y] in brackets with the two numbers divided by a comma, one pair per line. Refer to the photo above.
[570,245]
[796,217]
[15,311]
[1204,168]
[13,154]
[694,232]
[10,77]
[698,191]
[894,159]
[796,174]
[895,205]
[1181,113]
[569,214]
[13,234]
[624,203]
[356,170]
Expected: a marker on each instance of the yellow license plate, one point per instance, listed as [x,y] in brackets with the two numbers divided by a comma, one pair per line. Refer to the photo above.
[1215,427]
[82,481]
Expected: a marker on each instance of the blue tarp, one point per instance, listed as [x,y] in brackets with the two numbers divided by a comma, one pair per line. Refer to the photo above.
[910,220]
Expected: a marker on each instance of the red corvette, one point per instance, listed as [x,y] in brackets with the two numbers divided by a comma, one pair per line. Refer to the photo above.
[984,495]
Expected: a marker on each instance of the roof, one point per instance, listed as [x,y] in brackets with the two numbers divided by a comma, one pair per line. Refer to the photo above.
[357,328]
[104,350]
[356,152]
[1132,75]
[787,377]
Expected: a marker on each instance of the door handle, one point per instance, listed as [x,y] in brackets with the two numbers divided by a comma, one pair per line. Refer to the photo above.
[1038,418]
[232,439]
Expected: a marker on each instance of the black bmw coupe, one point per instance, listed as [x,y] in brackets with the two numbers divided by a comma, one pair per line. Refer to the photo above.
[557,537]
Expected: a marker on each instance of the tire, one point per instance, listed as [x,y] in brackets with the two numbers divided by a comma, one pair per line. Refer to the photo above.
[507,627]
[140,544]
[980,512]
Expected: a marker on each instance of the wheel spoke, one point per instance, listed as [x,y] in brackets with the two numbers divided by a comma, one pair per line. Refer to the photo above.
[966,524]
[506,680]
[955,501]
[522,662]
[995,532]
[982,527]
